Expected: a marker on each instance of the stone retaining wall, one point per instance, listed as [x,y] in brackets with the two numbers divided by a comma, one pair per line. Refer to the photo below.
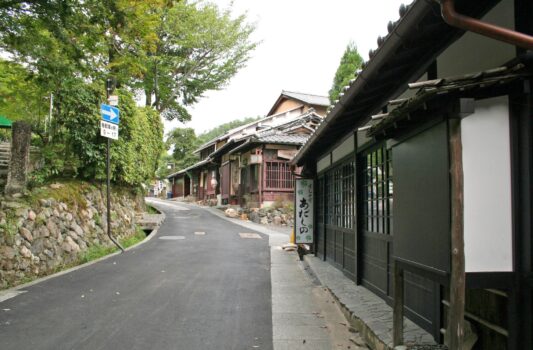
[265,216]
[38,240]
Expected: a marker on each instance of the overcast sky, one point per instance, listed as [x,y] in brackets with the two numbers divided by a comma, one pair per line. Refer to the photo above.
[302,43]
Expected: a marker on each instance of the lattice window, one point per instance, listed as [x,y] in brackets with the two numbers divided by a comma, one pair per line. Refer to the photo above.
[278,176]
[378,191]
[340,196]
[348,194]
[337,197]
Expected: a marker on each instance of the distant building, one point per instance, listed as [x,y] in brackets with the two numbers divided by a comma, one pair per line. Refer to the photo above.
[249,165]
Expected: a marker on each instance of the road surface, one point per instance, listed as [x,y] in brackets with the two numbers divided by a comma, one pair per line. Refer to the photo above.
[180,290]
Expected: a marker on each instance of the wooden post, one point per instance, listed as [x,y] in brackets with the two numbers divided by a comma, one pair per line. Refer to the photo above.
[397,320]
[457,284]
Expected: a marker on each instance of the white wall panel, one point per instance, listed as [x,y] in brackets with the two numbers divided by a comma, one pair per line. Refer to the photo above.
[487,187]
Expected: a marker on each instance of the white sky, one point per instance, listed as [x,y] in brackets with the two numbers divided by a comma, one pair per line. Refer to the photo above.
[302,43]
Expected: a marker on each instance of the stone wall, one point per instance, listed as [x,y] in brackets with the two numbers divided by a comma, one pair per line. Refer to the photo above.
[265,216]
[40,238]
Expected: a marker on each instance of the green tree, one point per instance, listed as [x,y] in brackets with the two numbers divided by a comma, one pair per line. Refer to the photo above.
[173,51]
[351,61]
[167,165]
[199,48]
[78,150]
[20,97]
[182,142]
[223,128]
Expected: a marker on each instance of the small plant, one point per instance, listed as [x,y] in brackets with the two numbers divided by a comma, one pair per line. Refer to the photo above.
[289,207]
[151,210]
[96,251]
[278,203]
[139,236]
[40,221]
[10,226]
[97,219]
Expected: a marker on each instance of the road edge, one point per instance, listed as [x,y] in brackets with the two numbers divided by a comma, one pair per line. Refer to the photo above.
[78,267]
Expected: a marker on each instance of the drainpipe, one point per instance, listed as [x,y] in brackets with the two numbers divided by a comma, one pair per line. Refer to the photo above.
[460,21]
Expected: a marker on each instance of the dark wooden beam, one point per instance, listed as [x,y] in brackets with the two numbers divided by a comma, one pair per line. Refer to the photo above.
[397,316]
[457,283]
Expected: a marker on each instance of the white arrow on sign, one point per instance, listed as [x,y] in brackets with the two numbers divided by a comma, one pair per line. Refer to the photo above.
[110,113]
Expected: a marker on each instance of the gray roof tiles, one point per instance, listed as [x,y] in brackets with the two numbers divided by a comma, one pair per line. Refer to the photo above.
[308,98]
[282,139]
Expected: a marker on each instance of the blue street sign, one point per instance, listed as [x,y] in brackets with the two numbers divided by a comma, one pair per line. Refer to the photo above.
[110,114]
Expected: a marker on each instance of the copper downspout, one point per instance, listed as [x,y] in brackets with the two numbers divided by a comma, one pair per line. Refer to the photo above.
[457,20]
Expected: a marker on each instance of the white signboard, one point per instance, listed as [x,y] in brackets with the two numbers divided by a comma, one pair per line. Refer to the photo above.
[304,227]
[109,130]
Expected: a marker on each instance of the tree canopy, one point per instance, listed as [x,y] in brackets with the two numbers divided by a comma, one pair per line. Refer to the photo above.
[167,53]
[172,51]
[223,128]
[351,61]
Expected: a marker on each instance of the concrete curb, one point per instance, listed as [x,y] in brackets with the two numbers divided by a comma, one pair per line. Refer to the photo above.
[78,267]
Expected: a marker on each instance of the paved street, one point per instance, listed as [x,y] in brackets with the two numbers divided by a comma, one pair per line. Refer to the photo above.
[201,282]
[207,291]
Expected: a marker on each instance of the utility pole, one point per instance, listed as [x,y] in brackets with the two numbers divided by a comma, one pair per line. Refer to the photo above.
[109,89]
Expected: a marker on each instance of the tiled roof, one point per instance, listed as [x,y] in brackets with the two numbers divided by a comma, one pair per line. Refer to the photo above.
[282,139]
[428,91]
[316,100]
[309,99]
[403,55]
[194,166]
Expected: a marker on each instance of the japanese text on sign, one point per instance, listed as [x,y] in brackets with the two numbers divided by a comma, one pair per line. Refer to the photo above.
[304,211]
[109,130]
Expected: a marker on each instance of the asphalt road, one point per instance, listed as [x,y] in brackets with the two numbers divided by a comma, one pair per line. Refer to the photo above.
[209,291]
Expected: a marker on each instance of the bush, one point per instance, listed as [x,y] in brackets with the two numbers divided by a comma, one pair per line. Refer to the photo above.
[76,149]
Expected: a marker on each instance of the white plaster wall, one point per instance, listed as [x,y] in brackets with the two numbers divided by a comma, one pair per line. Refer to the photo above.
[323,163]
[345,148]
[473,52]
[487,187]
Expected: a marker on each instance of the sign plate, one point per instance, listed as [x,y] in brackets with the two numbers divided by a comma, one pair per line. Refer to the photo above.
[109,130]
[110,114]
[112,100]
[304,225]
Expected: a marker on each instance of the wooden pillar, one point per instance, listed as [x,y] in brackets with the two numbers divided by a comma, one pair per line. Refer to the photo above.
[261,177]
[397,320]
[455,328]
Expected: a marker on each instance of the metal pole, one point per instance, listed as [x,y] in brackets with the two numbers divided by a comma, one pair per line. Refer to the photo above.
[108,172]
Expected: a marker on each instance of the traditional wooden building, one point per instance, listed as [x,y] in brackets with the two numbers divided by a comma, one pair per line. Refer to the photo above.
[441,113]
[249,165]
